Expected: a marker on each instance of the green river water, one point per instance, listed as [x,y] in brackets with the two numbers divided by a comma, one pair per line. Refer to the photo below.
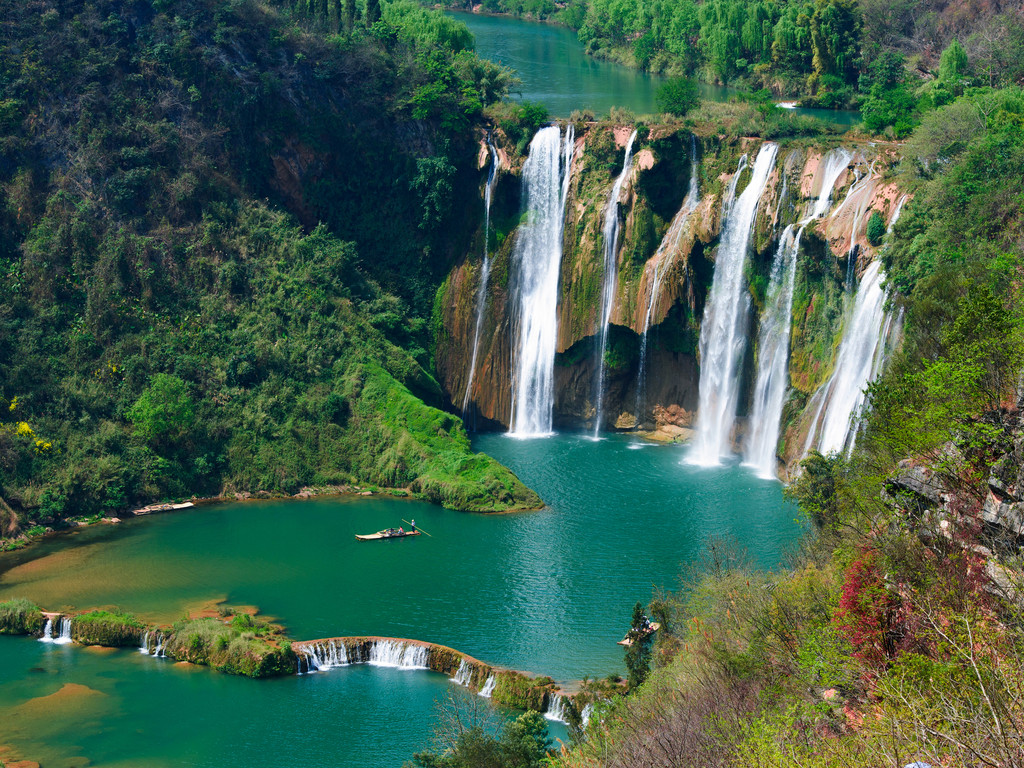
[556,72]
[546,592]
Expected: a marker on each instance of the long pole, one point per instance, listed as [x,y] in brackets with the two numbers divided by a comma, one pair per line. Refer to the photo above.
[417,527]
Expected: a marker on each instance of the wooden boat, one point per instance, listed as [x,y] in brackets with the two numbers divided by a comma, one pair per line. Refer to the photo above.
[387,533]
[628,641]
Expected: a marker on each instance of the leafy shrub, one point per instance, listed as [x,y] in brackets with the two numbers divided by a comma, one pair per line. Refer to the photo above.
[876,228]
[678,96]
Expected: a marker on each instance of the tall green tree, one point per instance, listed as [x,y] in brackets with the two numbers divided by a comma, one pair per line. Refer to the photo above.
[372,12]
[638,652]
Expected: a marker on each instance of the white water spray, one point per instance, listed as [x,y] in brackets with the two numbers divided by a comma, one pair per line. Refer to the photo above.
[773,338]
[611,269]
[463,675]
[47,631]
[488,688]
[535,262]
[556,708]
[485,271]
[394,653]
[859,358]
[65,632]
[773,359]
[321,657]
[723,328]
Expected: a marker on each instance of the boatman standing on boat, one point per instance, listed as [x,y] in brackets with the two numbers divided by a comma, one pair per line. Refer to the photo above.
[412,524]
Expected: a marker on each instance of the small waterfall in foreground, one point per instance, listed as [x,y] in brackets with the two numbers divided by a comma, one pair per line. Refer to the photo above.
[488,688]
[395,653]
[485,271]
[144,645]
[556,708]
[773,359]
[773,337]
[47,631]
[535,265]
[463,675]
[662,261]
[723,328]
[320,657]
[896,214]
[611,269]
[65,632]
[860,356]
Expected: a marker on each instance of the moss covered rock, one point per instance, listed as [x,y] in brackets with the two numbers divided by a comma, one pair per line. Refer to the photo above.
[110,629]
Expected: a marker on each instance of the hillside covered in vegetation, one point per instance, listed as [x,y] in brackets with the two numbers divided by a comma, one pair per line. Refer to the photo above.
[821,51]
[221,228]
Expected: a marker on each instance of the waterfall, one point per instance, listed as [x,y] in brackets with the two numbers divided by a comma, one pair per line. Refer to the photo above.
[556,708]
[611,268]
[662,260]
[47,631]
[463,675]
[896,214]
[160,649]
[535,264]
[394,653]
[326,655]
[144,646]
[585,715]
[65,632]
[723,328]
[773,336]
[488,688]
[773,359]
[485,271]
[859,357]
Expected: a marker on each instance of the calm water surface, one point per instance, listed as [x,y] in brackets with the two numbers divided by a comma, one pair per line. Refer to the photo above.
[556,72]
[547,592]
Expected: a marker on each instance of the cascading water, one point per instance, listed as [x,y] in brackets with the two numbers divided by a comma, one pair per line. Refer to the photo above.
[611,268]
[535,262]
[327,655]
[65,632]
[463,675]
[585,715]
[394,653]
[773,337]
[47,631]
[773,359]
[556,708]
[144,645]
[488,688]
[662,261]
[485,271]
[723,329]
[842,396]
[160,650]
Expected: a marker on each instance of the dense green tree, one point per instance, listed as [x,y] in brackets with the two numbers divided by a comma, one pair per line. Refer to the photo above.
[678,96]
[638,652]
[164,411]
[372,12]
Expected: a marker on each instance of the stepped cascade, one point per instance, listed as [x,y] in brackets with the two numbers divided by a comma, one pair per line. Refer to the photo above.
[485,270]
[611,250]
[860,357]
[463,674]
[774,334]
[723,329]
[536,262]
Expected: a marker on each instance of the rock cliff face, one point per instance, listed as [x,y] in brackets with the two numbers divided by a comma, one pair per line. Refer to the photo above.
[665,261]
